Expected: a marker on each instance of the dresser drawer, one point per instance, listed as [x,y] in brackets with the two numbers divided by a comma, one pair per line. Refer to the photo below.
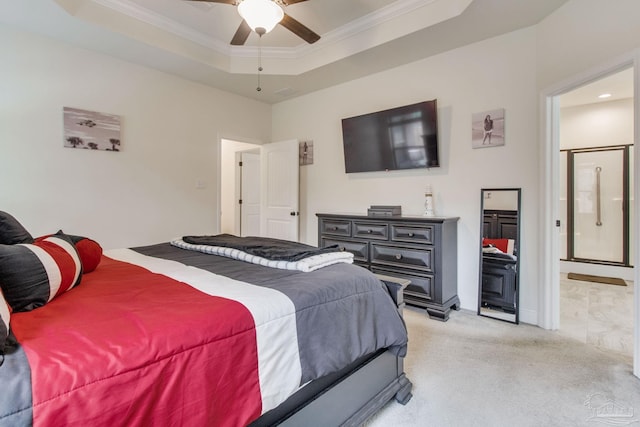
[360,250]
[335,227]
[412,233]
[403,256]
[371,230]
[421,286]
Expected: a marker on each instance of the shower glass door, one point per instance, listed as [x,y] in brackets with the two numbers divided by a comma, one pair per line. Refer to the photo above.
[599,220]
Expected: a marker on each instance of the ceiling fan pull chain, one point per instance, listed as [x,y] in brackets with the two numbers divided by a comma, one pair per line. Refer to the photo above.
[259,61]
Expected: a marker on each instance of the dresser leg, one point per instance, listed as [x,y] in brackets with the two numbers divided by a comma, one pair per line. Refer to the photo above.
[441,314]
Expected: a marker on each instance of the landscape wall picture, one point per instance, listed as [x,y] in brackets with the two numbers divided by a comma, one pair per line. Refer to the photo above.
[91,130]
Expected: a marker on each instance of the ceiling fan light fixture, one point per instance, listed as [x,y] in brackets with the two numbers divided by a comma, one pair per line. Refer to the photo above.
[261,15]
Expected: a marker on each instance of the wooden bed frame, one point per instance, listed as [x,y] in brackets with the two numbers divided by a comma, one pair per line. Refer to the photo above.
[348,397]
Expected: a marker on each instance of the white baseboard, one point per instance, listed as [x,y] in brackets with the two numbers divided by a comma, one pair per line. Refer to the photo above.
[528,316]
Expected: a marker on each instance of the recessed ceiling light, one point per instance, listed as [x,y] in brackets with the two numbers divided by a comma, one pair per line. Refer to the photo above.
[604,95]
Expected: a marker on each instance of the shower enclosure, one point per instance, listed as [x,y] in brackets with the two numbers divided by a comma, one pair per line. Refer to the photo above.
[596,186]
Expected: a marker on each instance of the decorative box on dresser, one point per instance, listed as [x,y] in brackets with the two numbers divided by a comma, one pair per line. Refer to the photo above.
[423,250]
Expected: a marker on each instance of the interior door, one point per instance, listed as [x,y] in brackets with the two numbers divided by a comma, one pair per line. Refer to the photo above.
[279,190]
[250,194]
[598,209]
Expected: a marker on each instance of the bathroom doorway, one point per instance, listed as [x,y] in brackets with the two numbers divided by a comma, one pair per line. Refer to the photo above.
[596,134]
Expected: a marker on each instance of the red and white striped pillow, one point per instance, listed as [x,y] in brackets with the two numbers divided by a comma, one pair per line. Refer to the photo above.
[89,250]
[31,275]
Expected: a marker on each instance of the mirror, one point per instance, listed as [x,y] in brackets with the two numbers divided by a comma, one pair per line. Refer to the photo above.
[499,253]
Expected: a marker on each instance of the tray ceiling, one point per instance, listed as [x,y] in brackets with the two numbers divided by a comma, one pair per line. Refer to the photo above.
[191,38]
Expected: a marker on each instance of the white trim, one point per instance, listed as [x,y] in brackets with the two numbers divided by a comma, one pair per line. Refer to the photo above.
[549,301]
[157,20]
[367,22]
[636,219]
[364,23]
[220,179]
[237,208]
[354,27]
[548,313]
[526,315]
[395,10]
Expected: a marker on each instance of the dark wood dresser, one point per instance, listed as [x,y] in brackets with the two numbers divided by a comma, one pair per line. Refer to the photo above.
[423,250]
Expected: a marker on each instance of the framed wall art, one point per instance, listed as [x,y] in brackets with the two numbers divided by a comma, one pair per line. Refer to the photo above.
[306,153]
[91,130]
[487,129]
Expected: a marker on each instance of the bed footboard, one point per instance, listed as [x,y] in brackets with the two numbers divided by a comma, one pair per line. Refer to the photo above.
[347,398]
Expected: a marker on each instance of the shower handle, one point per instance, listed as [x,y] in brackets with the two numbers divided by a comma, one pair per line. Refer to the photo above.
[598,207]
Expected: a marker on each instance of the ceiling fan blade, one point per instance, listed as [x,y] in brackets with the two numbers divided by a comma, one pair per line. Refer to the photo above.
[232,2]
[242,34]
[290,2]
[298,29]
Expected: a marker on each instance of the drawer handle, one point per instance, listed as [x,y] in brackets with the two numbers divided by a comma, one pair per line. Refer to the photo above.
[410,234]
[369,231]
[398,256]
[334,228]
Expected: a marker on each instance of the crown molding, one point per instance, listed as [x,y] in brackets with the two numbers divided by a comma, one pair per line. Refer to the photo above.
[394,10]
[147,16]
[347,40]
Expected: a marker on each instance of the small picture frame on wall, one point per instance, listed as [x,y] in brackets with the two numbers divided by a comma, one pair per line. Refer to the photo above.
[487,129]
[91,130]
[306,153]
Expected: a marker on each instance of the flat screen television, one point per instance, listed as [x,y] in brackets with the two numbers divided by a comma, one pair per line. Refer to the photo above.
[399,138]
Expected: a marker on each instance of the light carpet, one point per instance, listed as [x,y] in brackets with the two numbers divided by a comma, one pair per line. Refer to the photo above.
[476,371]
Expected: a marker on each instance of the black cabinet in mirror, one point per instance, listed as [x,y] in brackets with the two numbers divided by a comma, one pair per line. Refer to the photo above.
[498,287]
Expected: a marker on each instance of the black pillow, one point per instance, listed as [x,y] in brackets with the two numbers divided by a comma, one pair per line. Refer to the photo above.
[11,231]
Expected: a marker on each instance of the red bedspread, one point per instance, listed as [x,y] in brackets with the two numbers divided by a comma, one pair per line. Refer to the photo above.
[159,349]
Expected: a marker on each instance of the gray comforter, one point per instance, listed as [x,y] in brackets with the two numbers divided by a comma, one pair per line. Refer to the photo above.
[343,311]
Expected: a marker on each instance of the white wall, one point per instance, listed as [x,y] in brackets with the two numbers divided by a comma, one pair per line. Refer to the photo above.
[497,73]
[146,193]
[501,200]
[597,125]
[584,34]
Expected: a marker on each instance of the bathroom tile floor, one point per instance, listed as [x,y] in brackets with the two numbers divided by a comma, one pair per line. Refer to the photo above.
[597,314]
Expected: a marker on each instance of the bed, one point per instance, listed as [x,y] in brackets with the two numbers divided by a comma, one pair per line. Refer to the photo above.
[175,334]
[499,260]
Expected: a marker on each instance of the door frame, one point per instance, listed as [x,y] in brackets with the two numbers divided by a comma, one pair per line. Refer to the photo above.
[249,145]
[570,220]
[219,183]
[240,185]
[549,296]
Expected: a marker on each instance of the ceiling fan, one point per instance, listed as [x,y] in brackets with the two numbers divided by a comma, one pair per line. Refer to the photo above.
[271,7]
